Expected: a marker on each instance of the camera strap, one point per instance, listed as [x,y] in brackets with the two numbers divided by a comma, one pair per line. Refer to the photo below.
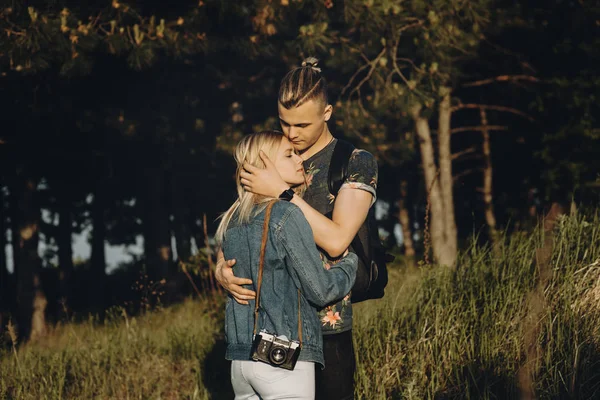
[261,263]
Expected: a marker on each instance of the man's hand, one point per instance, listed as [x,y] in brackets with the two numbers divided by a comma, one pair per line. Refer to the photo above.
[226,278]
[264,182]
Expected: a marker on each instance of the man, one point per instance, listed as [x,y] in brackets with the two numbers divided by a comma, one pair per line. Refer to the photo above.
[304,112]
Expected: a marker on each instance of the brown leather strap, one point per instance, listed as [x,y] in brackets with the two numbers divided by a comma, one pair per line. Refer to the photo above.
[299,321]
[261,264]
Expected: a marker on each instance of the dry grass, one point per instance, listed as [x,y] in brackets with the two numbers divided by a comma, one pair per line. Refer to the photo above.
[157,355]
[456,334]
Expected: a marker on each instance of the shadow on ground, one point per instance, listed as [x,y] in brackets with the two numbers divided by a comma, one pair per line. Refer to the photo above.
[215,373]
[474,381]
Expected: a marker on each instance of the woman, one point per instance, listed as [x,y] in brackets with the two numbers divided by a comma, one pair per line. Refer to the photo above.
[294,281]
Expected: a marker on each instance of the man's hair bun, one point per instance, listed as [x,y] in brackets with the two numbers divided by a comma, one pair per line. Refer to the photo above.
[311,62]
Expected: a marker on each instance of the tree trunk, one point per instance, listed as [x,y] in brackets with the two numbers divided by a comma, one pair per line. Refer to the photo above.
[65,249]
[14,229]
[31,302]
[446,181]
[404,219]
[97,298]
[3,270]
[157,238]
[490,218]
[182,221]
[442,253]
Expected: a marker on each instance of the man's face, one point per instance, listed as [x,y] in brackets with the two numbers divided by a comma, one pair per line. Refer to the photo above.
[304,125]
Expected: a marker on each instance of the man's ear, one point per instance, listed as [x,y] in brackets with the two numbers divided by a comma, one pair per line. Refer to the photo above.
[327,113]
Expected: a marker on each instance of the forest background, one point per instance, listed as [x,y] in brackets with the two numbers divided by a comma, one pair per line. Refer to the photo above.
[118,121]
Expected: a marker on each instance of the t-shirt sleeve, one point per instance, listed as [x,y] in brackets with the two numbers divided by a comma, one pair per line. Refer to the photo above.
[362,173]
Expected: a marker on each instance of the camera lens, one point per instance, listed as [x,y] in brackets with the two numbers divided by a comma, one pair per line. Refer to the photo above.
[277,355]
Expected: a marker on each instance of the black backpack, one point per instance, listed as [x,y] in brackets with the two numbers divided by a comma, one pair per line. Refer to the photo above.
[371,276]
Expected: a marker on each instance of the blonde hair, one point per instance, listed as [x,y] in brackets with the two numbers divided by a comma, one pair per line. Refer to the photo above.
[247,151]
[303,84]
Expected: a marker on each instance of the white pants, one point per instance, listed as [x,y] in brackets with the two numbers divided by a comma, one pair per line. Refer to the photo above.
[253,380]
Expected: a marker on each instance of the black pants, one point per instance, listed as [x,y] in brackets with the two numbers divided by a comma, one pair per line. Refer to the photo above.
[336,381]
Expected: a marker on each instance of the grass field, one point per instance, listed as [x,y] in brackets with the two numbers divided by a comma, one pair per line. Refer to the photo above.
[498,326]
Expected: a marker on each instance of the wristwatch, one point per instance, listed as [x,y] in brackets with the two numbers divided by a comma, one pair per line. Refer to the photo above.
[287,195]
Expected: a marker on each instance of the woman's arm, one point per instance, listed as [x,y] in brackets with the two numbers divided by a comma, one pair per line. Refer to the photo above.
[318,285]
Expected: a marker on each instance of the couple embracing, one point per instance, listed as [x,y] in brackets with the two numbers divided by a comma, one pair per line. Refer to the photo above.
[288,319]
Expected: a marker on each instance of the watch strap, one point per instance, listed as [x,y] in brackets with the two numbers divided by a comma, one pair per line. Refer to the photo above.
[287,195]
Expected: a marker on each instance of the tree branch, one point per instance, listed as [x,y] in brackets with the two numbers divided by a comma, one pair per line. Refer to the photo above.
[371,64]
[495,108]
[502,78]
[465,173]
[463,152]
[479,128]
[395,64]
[354,77]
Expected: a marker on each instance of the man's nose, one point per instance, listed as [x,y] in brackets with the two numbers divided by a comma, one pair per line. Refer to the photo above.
[292,133]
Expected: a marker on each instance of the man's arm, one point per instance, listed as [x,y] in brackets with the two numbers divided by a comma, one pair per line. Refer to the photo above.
[349,213]
[332,235]
[226,278]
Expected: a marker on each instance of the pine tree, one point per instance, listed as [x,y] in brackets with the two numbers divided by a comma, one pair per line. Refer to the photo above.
[37,39]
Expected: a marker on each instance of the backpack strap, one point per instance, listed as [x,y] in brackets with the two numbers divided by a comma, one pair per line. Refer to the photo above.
[338,168]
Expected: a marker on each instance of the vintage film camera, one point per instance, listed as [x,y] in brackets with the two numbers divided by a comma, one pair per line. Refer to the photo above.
[276,351]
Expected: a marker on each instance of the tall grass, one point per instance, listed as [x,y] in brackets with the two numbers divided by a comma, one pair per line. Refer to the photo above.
[438,334]
[445,334]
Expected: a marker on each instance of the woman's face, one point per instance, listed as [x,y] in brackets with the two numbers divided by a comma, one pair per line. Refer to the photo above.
[289,164]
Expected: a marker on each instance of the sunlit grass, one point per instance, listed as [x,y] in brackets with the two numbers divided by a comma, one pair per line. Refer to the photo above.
[438,333]
[157,355]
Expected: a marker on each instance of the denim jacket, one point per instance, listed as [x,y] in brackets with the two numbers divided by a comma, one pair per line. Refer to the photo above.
[292,262]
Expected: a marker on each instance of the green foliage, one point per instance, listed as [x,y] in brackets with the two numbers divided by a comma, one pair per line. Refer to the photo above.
[382,56]
[37,39]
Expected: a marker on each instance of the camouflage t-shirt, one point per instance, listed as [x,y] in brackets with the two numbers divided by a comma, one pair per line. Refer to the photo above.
[362,175]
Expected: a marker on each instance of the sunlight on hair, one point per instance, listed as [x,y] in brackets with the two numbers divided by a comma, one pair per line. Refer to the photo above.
[303,84]
[248,150]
